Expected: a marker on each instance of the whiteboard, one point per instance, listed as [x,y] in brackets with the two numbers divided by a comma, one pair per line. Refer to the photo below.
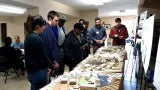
[146,45]
[156,80]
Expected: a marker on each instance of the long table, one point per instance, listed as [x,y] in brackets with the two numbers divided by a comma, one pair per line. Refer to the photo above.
[107,61]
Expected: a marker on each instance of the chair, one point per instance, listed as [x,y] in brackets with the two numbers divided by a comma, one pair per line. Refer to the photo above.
[5,68]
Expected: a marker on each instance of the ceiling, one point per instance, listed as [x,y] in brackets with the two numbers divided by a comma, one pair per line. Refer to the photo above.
[12,2]
[104,10]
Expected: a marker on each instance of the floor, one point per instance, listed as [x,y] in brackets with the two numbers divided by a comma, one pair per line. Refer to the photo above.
[16,83]
[129,76]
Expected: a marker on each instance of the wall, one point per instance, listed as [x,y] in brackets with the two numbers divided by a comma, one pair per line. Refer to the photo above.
[32,11]
[150,11]
[46,5]
[5,19]
[16,27]
[87,15]
[90,16]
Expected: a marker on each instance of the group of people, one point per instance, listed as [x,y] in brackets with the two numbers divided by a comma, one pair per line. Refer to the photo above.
[48,48]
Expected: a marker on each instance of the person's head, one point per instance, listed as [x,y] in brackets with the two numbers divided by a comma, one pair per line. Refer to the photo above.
[118,21]
[62,20]
[86,23]
[53,18]
[35,24]
[97,22]
[81,21]
[78,28]
[7,41]
[17,39]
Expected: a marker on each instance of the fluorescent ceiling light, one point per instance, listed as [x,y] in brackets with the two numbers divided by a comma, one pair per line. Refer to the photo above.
[123,13]
[96,2]
[12,9]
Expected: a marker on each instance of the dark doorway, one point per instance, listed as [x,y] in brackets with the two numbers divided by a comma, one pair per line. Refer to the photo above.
[3,31]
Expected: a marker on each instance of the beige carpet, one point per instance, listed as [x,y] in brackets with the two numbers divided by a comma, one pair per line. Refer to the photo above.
[14,82]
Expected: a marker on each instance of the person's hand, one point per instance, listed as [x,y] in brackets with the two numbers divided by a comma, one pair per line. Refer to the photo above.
[103,39]
[120,37]
[83,47]
[56,65]
[115,35]
[98,41]
[49,71]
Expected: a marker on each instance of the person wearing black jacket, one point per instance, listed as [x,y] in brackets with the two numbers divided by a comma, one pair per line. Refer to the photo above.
[36,58]
[74,46]
[86,34]
[12,55]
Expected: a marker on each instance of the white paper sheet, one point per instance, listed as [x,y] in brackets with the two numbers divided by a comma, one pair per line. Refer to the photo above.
[156,81]
[147,37]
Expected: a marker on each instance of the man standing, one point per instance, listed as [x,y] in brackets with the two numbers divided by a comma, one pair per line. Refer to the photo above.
[61,37]
[50,40]
[98,35]
[87,37]
[118,33]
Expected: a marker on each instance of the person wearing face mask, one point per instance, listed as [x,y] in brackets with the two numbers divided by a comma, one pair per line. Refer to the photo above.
[74,46]
[98,35]
[118,33]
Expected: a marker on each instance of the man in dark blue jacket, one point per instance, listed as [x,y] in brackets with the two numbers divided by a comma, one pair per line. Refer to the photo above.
[74,46]
[50,40]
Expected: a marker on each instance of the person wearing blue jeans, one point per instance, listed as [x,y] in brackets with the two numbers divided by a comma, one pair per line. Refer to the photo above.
[38,79]
[36,59]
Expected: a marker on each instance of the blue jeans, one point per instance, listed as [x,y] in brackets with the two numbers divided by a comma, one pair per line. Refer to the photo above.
[38,79]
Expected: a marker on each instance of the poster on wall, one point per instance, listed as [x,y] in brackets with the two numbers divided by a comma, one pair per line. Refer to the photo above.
[156,80]
[146,45]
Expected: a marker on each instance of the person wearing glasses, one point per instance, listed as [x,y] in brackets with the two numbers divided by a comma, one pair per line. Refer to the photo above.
[98,34]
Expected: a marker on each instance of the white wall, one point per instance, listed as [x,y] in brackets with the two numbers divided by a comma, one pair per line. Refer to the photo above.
[16,27]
